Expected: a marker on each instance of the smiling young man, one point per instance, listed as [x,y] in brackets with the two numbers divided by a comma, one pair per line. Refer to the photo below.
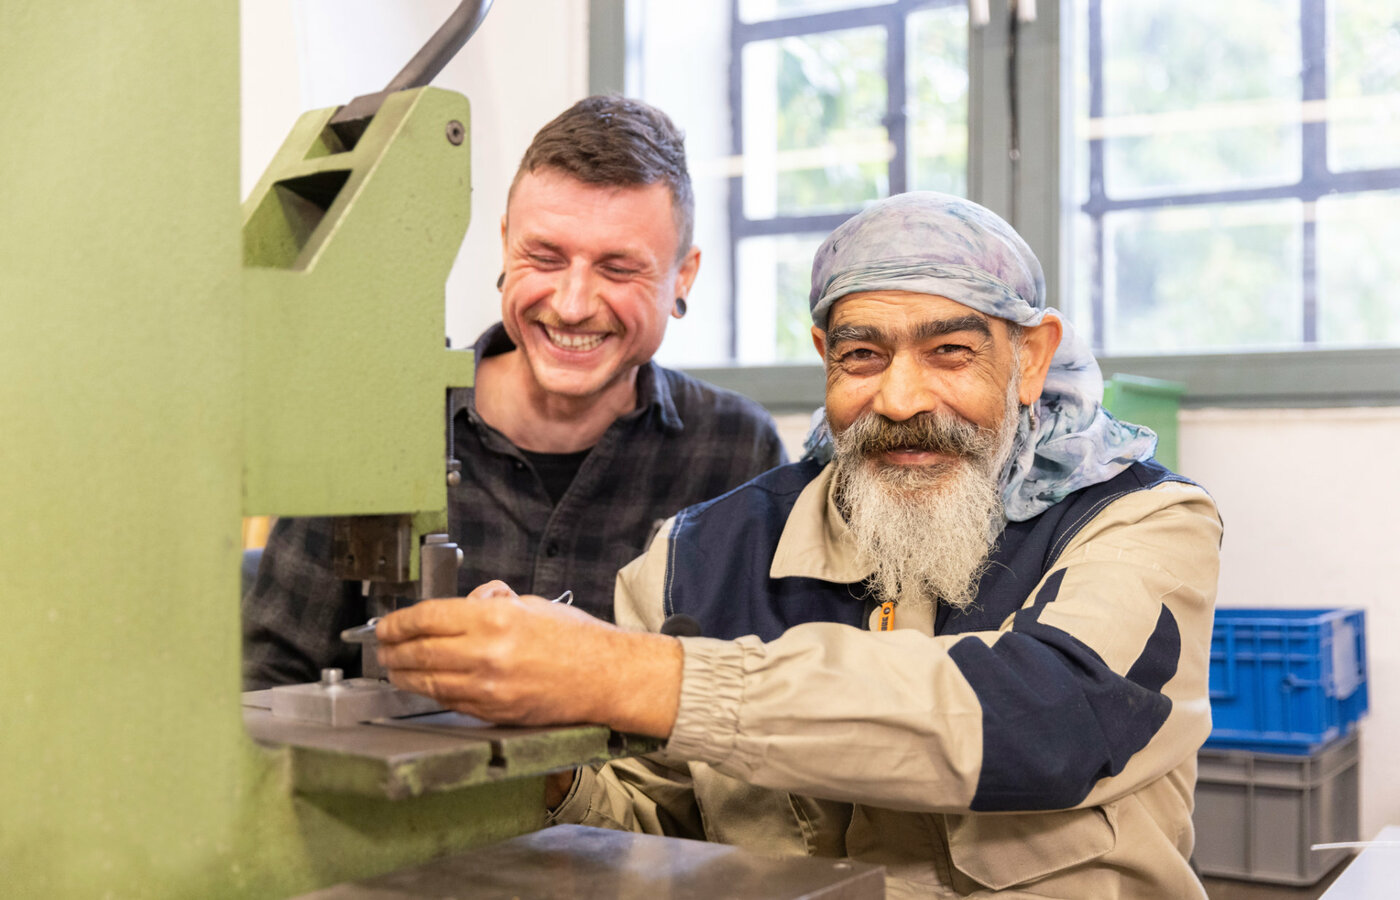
[966,639]
[574,444]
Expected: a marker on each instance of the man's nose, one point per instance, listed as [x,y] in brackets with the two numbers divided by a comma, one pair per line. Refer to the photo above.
[573,301]
[903,393]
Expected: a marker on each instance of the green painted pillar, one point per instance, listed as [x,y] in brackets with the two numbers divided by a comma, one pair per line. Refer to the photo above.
[120,447]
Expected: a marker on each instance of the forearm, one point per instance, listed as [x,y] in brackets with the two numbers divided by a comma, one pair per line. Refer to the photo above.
[638,690]
[526,661]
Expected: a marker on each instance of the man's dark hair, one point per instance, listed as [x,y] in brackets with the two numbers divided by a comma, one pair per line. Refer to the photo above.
[611,140]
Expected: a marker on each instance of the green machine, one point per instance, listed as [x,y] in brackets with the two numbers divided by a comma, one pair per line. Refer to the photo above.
[169,364]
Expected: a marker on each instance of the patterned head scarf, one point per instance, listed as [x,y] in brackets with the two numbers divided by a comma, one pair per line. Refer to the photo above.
[931,243]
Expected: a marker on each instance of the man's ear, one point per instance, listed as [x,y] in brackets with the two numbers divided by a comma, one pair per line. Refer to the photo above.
[1038,344]
[819,341]
[686,272]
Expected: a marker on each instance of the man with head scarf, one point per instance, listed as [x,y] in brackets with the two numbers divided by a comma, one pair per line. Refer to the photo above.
[966,637]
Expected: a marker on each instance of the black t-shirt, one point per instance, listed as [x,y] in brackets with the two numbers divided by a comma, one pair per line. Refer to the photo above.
[556,470]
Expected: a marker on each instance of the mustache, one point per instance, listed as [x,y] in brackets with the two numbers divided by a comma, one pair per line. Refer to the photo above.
[932,432]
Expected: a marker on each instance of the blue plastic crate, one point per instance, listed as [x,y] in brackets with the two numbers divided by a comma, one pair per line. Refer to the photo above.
[1286,680]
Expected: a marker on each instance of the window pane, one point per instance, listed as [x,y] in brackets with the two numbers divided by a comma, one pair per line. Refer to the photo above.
[1199,95]
[760,10]
[775,278]
[1363,84]
[1081,277]
[814,138]
[937,78]
[1194,278]
[1358,268]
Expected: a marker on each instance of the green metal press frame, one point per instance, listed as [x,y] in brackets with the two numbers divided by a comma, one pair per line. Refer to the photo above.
[160,378]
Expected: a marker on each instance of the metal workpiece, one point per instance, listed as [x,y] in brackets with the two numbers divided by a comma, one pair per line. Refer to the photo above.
[571,861]
[438,563]
[400,758]
[340,702]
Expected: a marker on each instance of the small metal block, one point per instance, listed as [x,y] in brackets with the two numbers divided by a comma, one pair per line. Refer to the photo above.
[347,702]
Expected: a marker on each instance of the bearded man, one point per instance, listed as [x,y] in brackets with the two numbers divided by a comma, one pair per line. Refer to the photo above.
[966,637]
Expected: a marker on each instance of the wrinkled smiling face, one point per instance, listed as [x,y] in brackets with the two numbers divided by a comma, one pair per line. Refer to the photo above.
[923,399]
[591,275]
[915,359]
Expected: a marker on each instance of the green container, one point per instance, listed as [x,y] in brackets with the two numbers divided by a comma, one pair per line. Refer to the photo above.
[1151,402]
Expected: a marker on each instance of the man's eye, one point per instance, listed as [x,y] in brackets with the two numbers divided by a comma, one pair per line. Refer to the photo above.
[545,262]
[618,271]
[953,348]
[860,354]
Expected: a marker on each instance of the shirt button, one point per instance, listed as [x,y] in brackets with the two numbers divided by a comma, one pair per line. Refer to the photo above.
[519,466]
[551,550]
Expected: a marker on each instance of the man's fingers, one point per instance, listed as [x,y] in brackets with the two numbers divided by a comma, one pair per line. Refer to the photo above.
[459,691]
[422,619]
[444,687]
[440,617]
[429,652]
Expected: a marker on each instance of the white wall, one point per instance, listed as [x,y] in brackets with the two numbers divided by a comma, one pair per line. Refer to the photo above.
[1309,499]
[684,70]
[527,63]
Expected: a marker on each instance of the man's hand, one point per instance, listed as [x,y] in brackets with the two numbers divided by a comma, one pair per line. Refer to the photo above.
[526,661]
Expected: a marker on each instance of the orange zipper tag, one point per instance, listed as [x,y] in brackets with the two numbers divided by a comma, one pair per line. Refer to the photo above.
[887,616]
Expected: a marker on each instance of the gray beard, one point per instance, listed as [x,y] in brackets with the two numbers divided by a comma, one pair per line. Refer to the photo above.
[925,533]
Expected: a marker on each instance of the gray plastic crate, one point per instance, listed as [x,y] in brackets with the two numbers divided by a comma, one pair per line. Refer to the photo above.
[1258,814]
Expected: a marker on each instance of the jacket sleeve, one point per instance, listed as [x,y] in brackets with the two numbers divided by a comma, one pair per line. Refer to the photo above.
[651,795]
[1094,688]
[295,610]
[648,795]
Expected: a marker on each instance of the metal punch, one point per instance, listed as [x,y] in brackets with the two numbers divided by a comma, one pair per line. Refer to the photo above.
[364,634]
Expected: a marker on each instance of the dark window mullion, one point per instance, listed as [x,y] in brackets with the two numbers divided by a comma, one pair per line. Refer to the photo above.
[1341,183]
[838,20]
[779,225]
[1098,198]
[736,181]
[897,99]
[1312,26]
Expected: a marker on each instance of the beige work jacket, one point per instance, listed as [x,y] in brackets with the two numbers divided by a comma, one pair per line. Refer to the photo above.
[834,741]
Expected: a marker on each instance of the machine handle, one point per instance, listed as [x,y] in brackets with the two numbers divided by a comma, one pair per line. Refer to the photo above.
[442,46]
[350,120]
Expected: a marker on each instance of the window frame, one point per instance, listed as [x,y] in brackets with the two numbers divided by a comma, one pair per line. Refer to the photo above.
[1018,154]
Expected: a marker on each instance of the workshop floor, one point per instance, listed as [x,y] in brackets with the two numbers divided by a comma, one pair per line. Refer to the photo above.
[1228,889]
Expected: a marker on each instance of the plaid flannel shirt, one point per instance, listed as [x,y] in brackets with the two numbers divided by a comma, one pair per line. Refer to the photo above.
[685,442]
